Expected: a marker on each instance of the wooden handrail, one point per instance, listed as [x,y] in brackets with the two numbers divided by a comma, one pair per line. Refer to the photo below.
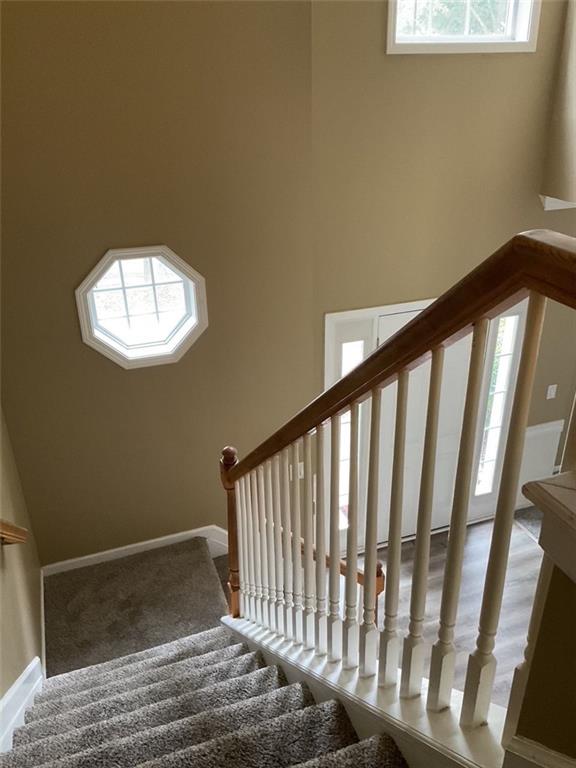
[380,579]
[540,260]
[12,534]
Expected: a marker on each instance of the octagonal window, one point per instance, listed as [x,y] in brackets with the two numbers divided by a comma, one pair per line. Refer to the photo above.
[142,306]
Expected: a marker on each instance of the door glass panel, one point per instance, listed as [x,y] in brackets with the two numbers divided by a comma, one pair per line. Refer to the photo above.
[497,398]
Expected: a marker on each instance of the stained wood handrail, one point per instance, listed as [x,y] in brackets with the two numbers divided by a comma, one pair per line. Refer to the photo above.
[380,578]
[12,534]
[539,260]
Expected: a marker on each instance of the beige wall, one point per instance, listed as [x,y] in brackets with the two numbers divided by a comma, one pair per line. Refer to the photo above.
[20,627]
[551,685]
[301,170]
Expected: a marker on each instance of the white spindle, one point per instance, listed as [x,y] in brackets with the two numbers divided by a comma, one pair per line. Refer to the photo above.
[482,662]
[522,671]
[334,624]
[288,618]
[270,545]
[278,558]
[368,628]
[308,618]
[255,536]
[413,649]
[350,628]
[389,640]
[296,545]
[444,651]
[262,512]
[240,524]
[320,626]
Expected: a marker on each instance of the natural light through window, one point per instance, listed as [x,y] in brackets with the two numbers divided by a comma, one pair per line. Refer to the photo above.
[144,305]
[495,409]
[352,355]
[453,26]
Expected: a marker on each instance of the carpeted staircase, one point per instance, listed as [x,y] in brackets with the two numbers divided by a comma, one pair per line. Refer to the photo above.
[203,700]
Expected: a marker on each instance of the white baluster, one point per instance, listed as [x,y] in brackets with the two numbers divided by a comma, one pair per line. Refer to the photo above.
[288,618]
[368,628]
[482,662]
[240,536]
[334,624]
[270,546]
[320,627]
[444,651]
[522,671]
[308,618]
[262,512]
[413,649]
[278,558]
[255,536]
[296,546]
[350,635]
[389,640]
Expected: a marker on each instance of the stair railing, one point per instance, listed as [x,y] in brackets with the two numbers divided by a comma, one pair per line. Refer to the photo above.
[279,583]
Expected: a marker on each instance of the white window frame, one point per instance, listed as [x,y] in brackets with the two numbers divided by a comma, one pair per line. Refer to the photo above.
[463,44]
[110,347]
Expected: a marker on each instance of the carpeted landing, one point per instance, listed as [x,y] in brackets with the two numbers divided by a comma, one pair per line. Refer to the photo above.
[203,700]
[103,611]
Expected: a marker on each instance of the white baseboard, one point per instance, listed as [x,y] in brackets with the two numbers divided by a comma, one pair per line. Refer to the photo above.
[17,699]
[216,538]
[525,753]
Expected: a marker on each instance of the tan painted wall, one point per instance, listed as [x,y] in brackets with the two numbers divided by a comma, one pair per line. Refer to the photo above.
[547,691]
[277,149]
[20,627]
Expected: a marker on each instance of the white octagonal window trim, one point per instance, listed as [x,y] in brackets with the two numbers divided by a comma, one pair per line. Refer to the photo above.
[142,306]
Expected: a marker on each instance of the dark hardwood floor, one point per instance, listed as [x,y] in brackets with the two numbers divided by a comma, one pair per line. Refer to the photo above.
[522,575]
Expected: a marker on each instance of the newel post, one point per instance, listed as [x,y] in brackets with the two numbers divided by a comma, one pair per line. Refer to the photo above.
[230,459]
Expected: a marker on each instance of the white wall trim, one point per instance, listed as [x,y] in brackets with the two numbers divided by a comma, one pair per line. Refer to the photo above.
[539,457]
[216,538]
[525,753]
[17,699]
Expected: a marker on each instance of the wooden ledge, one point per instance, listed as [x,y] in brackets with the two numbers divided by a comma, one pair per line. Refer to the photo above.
[556,498]
[12,534]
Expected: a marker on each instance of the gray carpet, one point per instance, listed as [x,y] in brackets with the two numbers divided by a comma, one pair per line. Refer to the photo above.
[115,608]
[204,700]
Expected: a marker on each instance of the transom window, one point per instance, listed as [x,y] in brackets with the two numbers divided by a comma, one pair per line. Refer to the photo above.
[462,26]
[142,306]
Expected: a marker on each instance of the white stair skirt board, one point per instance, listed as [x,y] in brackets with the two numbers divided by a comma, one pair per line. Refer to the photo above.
[216,538]
[16,701]
[426,739]
[525,753]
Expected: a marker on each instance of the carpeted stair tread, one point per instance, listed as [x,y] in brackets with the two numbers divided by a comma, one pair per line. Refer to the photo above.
[375,752]
[100,674]
[56,705]
[119,607]
[32,749]
[131,700]
[288,740]
[156,742]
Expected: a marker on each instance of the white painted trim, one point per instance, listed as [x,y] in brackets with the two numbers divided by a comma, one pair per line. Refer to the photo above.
[17,699]
[555,204]
[160,251]
[427,739]
[539,456]
[216,538]
[474,45]
[525,753]
[355,324]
